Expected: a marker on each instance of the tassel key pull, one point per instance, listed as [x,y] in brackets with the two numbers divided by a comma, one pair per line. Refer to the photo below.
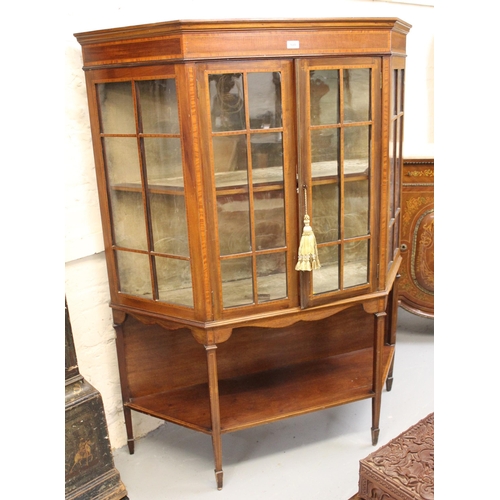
[308,251]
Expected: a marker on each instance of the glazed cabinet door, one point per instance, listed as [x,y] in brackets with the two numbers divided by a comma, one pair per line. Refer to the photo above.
[141,174]
[250,179]
[339,120]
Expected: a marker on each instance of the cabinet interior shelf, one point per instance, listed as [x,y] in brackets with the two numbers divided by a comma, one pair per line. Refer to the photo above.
[263,397]
[263,179]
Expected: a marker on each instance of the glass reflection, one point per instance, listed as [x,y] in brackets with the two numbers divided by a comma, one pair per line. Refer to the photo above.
[324,96]
[129,226]
[134,272]
[158,104]
[237,282]
[116,107]
[326,212]
[269,212]
[326,279]
[230,155]
[163,160]
[122,161]
[356,208]
[271,276]
[267,151]
[227,102]
[174,281]
[356,263]
[357,149]
[234,224]
[325,147]
[169,224]
[357,95]
[264,100]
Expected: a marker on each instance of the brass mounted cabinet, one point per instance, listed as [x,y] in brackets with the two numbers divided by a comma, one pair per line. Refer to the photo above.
[216,144]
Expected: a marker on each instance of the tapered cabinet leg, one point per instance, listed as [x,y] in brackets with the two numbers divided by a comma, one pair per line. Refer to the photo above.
[213,385]
[130,430]
[119,318]
[380,319]
[388,383]
[392,325]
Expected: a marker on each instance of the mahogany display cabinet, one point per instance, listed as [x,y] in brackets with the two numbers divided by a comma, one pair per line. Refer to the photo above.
[218,146]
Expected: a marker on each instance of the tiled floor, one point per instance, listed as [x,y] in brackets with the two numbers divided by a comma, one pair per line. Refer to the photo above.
[312,457]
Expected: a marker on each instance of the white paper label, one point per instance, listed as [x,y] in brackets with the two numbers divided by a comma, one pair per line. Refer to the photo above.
[292,44]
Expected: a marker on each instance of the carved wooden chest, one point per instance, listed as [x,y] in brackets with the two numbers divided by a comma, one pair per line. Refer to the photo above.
[403,469]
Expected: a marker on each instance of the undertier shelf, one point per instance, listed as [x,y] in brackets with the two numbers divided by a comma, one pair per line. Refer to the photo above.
[272,395]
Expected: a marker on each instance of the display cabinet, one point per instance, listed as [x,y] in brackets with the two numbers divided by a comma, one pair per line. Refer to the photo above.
[218,146]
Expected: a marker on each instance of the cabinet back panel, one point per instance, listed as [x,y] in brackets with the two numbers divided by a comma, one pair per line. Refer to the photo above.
[251,350]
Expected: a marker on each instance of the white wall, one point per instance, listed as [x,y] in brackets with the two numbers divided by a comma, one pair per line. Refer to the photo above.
[86,286]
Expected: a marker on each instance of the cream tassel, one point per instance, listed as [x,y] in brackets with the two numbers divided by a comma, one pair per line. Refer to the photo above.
[308,250]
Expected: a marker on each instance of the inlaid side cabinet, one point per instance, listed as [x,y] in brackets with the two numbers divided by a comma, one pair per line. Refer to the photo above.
[216,143]
[416,286]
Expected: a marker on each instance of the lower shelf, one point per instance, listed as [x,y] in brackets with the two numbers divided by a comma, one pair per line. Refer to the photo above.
[272,395]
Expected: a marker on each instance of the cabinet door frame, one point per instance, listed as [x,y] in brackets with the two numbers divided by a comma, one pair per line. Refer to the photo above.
[303,66]
[210,191]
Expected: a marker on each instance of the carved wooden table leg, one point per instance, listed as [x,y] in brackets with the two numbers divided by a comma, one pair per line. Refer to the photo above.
[215,412]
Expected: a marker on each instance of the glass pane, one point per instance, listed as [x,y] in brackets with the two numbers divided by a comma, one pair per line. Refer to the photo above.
[325,151]
[271,276]
[134,274]
[169,224]
[326,279]
[128,220]
[117,108]
[234,224]
[264,100]
[393,142]
[324,95]
[390,243]
[163,161]
[394,92]
[395,243]
[357,149]
[227,102]
[122,161]
[237,282]
[355,263]
[269,209]
[325,216]
[356,95]
[356,205]
[401,90]
[158,105]
[267,152]
[174,281]
[230,160]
